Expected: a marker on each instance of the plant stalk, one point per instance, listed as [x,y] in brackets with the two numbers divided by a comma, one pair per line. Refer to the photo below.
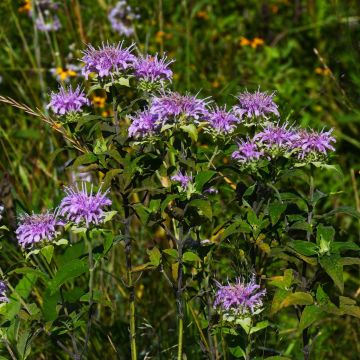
[129,280]
[179,295]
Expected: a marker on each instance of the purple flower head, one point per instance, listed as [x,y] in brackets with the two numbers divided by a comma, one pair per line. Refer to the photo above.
[83,207]
[47,23]
[248,151]
[240,298]
[143,124]
[67,100]
[153,68]
[3,292]
[183,179]
[121,18]
[36,228]
[257,104]
[275,135]
[108,59]
[221,120]
[314,142]
[172,105]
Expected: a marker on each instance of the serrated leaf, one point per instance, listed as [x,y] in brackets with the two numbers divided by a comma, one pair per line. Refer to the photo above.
[89,158]
[155,256]
[69,270]
[324,238]
[259,326]
[334,268]
[297,298]
[191,130]
[202,178]
[109,215]
[47,252]
[204,206]
[303,247]
[275,211]
[49,307]
[309,315]
[190,256]
[171,252]
[343,246]
[167,200]
[278,298]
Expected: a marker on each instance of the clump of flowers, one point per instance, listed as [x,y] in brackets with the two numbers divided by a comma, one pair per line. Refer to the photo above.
[171,106]
[152,69]
[46,18]
[256,105]
[3,292]
[183,179]
[311,144]
[248,151]
[239,299]
[121,18]
[68,100]
[82,206]
[143,124]
[37,228]
[107,59]
[222,121]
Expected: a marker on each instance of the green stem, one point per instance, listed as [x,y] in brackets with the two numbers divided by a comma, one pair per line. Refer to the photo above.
[179,295]
[91,296]
[129,279]
[180,338]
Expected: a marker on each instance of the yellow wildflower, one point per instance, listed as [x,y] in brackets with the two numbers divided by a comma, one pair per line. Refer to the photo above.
[98,101]
[25,7]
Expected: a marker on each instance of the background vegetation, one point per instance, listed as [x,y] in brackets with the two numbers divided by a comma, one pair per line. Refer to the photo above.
[305,50]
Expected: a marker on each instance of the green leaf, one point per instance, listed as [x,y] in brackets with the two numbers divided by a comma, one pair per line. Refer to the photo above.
[190,256]
[324,238]
[47,252]
[283,282]
[100,146]
[69,270]
[109,215]
[49,306]
[297,298]
[110,176]
[237,352]
[155,256]
[275,211]
[142,212]
[89,158]
[171,252]
[259,326]
[324,302]
[167,200]
[204,206]
[191,130]
[278,298]
[334,268]
[344,210]
[303,247]
[348,306]
[309,315]
[343,246]
[350,261]
[202,178]
[239,226]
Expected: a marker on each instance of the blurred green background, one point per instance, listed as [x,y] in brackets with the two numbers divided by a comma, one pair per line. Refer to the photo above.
[308,51]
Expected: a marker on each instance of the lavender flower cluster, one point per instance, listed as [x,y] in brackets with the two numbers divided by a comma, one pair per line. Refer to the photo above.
[239,299]
[277,140]
[46,19]
[273,139]
[112,61]
[3,292]
[79,206]
[122,17]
